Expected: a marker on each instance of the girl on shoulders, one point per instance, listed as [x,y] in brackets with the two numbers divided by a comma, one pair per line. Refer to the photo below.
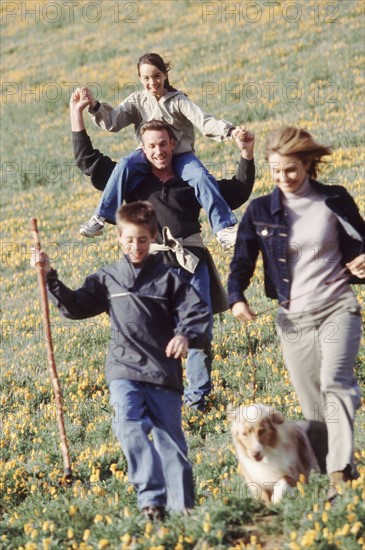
[160,101]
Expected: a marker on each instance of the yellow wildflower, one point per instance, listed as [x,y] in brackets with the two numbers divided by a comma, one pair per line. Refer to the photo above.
[72,510]
[356,527]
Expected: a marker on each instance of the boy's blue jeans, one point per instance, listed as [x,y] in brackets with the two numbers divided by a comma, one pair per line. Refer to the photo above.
[132,170]
[199,361]
[159,469]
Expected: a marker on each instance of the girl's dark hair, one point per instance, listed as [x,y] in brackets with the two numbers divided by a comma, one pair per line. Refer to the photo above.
[157,61]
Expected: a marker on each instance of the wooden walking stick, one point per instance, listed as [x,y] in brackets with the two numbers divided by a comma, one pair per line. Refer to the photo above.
[51,360]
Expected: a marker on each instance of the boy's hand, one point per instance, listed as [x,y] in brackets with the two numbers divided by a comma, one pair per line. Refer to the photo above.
[177,347]
[39,256]
[242,312]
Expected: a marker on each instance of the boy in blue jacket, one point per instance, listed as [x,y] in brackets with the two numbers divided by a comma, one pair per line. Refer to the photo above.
[155,317]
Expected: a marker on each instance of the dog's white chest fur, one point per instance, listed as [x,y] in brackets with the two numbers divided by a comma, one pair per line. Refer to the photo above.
[274,465]
[271,451]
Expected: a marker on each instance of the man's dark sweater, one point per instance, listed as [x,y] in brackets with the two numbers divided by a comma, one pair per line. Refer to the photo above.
[174,201]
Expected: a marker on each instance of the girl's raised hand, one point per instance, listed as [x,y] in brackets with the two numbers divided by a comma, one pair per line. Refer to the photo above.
[86,93]
[236,132]
[79,98]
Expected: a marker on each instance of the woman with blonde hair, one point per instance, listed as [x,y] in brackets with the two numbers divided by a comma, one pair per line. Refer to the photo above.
[311,237]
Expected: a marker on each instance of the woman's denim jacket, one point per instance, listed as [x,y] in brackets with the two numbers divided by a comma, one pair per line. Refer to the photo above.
[265,227]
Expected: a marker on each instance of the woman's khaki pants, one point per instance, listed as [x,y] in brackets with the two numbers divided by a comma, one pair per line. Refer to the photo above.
[320,349]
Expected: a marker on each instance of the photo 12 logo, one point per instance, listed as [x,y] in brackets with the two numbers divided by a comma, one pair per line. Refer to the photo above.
[69,11]
[54,92]
[316,92]
[273,11]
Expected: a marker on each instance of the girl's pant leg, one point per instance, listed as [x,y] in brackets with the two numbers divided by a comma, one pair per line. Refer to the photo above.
[188,167]
[164,406]
[131,424]
[128,173]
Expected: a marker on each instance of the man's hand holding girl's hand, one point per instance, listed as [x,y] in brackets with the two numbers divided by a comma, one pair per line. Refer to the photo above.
[82,97]
[245,141]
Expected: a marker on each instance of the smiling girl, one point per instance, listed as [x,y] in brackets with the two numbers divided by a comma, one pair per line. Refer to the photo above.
[160,101]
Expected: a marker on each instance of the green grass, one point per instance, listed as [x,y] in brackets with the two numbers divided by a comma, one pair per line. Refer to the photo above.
[306,73]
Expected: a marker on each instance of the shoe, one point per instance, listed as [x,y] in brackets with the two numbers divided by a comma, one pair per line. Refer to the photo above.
[92,228]
[227,237]
[201,407]
[154,512]
[196,402]
[337,483]
[187,512]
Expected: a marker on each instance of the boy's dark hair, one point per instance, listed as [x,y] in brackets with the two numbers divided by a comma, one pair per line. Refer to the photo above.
[156,125]
[137,213]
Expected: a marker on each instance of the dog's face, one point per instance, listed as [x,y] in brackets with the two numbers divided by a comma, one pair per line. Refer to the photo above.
[254,429]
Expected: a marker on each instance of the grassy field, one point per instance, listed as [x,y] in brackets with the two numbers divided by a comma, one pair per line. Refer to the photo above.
[263,64]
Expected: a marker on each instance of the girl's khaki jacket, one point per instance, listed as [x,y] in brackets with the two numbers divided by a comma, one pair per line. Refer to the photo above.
[174,108]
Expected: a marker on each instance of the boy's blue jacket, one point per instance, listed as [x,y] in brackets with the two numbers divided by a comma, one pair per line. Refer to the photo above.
[146,311]
[265,227]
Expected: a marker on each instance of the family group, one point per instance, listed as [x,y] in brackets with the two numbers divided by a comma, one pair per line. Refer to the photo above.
[311,238]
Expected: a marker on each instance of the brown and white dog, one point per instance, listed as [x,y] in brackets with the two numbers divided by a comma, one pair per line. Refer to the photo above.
[271,451]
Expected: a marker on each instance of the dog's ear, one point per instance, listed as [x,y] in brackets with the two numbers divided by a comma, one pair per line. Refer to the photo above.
[231,412]
[276,417]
